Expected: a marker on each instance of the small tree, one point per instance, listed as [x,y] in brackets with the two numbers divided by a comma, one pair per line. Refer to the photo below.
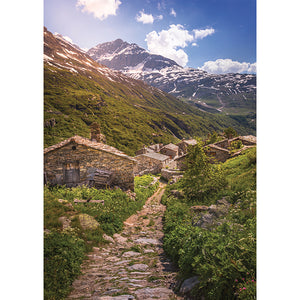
[201,178]
[230,133]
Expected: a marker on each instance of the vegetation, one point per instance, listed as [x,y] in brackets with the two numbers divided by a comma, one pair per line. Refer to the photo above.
[230,133]
[64,249]
[201,178]
[223,255]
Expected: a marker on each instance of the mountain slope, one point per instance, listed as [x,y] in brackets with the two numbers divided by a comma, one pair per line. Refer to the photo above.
[229,93]
[79,91]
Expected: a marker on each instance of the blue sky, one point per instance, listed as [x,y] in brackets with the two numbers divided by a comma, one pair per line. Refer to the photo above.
[218,36]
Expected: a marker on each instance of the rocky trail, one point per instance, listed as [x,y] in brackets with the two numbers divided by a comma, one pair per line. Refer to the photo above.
[133,265]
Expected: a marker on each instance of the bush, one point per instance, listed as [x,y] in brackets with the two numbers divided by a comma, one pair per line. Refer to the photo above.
[201,179]
[63,255]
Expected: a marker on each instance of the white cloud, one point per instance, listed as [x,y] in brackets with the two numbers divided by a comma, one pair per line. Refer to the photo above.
[202,33]
[160,17]
[194,44]
[145,18]
[173,12]
[101,9]
[167,42]
[221,66]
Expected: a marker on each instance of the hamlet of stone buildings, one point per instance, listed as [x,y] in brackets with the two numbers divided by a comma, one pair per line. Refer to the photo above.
[81,161]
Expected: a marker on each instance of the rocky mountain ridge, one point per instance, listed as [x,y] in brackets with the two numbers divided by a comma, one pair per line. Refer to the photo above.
[229,93]
[120,55]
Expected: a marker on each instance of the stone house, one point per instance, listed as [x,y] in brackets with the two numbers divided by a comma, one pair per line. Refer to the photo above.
[221,150]
[183,145]
[151,163]
[170,150]
[77,161]
[149,149]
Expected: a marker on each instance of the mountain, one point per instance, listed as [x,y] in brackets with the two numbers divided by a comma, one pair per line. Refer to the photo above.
[228,93]
[120,55]
[79,91]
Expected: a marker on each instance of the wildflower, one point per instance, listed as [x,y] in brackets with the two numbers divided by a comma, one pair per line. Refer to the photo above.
[244,288]
[236,280]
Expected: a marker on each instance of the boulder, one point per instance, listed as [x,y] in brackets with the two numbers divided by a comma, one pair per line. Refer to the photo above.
[108,238]
[189,284]
[177,194]
[199,208]
[66,223]
[154,293]
[138,267]
[87,222]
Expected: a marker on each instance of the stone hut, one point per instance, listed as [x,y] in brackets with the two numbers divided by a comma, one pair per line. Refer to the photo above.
[220,151]
[183,145]
[151,163]
[150,149]
[217,153]
[77,161]
[170,150]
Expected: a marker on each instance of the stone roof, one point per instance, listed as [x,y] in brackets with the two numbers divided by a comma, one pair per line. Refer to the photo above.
[217,147]
[248,138]
[170,147]
[157,156]
[181,157]
[191,142]
[88,143]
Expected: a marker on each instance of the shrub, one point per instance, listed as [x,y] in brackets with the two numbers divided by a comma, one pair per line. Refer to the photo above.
[201,179]
[63,254]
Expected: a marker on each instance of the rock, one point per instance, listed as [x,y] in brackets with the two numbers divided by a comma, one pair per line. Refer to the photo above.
[189,284]
[119,239]
[138,267]
[199,208]
[147,241]
[223,201]
[88,222]
[148,251]
[153,293]
[131,253]
[108,238]
[131,194]
[177,194]
[121,297]
[219,210]
[65,222]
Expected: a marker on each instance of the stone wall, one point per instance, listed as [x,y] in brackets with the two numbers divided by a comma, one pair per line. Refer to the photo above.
[169,173]
[86,159]
[169,152]
[147,164]
[219,155]
[180,163]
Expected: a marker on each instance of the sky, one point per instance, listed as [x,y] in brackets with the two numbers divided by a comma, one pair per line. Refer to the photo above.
[218,36]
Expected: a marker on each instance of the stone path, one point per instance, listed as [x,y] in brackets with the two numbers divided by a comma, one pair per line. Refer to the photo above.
[133,265]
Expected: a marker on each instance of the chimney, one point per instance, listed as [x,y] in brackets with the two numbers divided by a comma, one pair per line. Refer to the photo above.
[96,135]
